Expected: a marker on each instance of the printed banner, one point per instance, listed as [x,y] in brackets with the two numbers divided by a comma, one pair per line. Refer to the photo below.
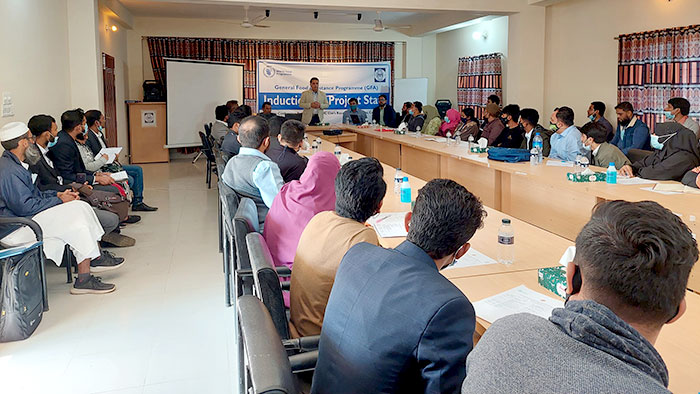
[281,84]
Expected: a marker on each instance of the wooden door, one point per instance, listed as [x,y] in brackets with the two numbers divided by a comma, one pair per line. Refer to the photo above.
[110,100]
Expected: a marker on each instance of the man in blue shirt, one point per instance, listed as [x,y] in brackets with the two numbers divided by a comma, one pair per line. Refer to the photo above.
[354,115]
[566,142]
[250,173]
[631,133]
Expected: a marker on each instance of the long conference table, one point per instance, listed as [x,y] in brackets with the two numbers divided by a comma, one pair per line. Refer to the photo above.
[539,195]
[678,343]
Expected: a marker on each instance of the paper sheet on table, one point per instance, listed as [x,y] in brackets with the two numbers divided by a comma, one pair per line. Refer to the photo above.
[112,153]
[516,300]
[119,176]
[555,163]
[472,258]
[675,188]
[389,225]
[634,181]
[436,139]
[651,189]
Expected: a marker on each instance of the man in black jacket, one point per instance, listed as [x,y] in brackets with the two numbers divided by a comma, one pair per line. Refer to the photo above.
[384,114]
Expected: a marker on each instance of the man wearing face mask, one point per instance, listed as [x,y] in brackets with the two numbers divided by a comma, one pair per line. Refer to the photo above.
[382,335]
[416,118]
[676,152]
[513,134]
[566,142]
[251,173]
[678,110]
[354,115]
[529,119]
[631,133]
[593,135]
[596,113]
[384,114]
[624,286]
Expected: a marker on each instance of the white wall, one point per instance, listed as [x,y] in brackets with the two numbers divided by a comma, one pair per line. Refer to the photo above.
[34,65]
[581,52]
[84,55]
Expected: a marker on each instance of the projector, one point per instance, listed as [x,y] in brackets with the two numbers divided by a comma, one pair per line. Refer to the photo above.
[333,132]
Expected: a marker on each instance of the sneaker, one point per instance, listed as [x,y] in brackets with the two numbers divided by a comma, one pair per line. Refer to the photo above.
[132,219]
[143,207]
[93,285]
[106,262]
[118,240]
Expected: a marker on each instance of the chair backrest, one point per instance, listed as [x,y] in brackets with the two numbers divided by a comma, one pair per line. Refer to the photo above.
[229,205]
[207,129]
[267,282]
[245,221]
[206,147]
[295,116]
[267,362]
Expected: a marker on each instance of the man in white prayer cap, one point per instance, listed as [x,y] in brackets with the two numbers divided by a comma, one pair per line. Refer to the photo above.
[63,218]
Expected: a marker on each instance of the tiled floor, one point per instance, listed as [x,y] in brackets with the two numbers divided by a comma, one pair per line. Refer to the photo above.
[164,330]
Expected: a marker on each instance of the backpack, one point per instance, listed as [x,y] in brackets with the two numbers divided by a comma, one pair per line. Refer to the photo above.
[509,155]
[106,201]
[21,295]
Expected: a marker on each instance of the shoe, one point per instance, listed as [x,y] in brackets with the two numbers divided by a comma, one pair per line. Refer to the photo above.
[143,207]
[132,219]
[93,285]
[118,240]
[106,262]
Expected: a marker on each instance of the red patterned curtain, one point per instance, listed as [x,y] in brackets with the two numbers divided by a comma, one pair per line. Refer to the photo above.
[247,52]
[478,77]
[655,66]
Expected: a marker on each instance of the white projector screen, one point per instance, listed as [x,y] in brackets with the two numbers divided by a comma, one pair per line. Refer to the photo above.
[410,89]
[194,89]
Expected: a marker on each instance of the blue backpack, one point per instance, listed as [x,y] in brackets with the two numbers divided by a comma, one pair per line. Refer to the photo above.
[509,155]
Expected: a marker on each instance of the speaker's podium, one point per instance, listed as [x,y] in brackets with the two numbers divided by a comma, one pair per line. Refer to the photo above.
[147,132]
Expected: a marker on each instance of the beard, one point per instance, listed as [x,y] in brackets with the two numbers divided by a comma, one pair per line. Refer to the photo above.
[32,155]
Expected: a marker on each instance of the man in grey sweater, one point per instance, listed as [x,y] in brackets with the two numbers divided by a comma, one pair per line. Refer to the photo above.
[627,280]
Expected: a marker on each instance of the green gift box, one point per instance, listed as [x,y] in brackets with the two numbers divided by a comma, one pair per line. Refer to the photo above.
[577,177]
[476,149]
[553,279]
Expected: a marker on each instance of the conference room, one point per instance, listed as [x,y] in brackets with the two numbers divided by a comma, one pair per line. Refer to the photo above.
[224,196]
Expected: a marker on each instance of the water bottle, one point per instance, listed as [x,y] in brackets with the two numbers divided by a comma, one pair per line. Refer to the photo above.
[306,143]
[611,174]
[470,143]
[534,156]
[584,163]
[418,132]
[449,138]
[506,243]
[318,142]
[398,179]
[405,190]
[336,151]
[314,147]
[578,161]
[537,143]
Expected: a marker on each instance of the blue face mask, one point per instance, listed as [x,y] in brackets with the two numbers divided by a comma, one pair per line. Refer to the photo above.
[410,112]
[51,144]
[447,120]
[100,129]
[669,115]
[85,129]
[656,144]
[592,118]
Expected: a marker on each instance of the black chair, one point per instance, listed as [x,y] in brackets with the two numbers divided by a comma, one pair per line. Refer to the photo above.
[220,167]
[294,116]
[70,263]
[211,159]
[245,221]
[442,106]
[228,201]
[207,129]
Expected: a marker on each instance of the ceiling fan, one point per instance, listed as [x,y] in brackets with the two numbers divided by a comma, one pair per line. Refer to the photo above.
[248,23]
[379,26]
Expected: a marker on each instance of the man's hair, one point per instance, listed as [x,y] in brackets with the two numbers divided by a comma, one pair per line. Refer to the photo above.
[247,111]
[230,104]
[680,103]
[599,106]
[237,116]
[469,112]
[513,110]
[635,258]
[352,99]
[494,99]
[418,105]
[39,124]
[566,115]
[13,143]
[71,118]
[625,106]
[531,115]
[92,116]
[292,132]
[596,131]
[267,103]
[382,95]
[220,112]
[359,189]
[408,104]
[445,217]
[252,131]
[275,122]
[313,79]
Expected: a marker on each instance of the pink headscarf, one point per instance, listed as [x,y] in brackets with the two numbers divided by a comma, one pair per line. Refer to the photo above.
[453,116]
[298,202]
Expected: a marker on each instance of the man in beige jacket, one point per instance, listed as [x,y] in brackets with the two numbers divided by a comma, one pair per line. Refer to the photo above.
[313,101]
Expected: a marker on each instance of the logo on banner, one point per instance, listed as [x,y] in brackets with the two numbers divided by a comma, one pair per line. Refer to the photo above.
[269,72]
[379,74]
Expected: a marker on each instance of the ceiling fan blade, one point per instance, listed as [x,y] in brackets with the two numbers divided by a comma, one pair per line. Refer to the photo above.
[258,19]
[263,26]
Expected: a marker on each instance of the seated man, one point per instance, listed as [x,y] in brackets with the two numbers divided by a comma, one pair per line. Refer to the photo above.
[593,135]
[230,144]
[384,114]
[250,173]
[513,134]
[493,125]
[678,110]
[63,220]
[220,127]
[291,139]
[393,323]
[596,113]
[676,152]
[96,141]
[623,287]
[266,111]
[44,130]
[566,142]
[232,105]
[631,132]
[404,116]
[528,119]
[359,190]
[416,117]
[354,115]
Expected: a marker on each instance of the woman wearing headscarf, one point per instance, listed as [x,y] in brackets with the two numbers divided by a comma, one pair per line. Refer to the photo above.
[450,124]
[298,202]
[676,152]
